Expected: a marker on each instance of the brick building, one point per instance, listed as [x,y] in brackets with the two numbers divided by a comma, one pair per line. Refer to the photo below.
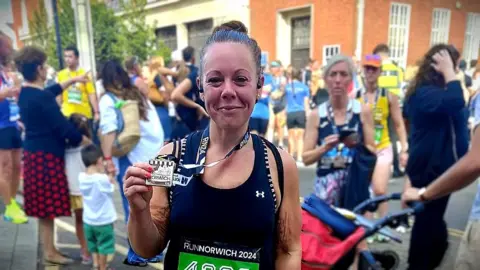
[320,28]
[294,31]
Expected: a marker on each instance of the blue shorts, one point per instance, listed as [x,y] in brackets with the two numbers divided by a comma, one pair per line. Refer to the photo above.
[259,125]
[11,138]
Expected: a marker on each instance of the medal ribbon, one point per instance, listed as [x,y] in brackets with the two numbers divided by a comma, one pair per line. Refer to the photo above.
[331,116]
[202,152]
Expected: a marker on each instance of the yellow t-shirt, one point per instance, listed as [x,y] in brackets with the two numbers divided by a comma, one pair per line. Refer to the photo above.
[381,111]
[75,98]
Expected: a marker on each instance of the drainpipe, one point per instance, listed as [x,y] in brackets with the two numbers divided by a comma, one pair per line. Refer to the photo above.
[360,19]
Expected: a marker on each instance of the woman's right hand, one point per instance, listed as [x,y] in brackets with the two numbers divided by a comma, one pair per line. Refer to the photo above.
[134,186]
[9,92]
[331,141]
[442,63]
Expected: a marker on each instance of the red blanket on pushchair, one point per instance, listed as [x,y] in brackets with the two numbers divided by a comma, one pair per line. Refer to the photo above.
[321,248]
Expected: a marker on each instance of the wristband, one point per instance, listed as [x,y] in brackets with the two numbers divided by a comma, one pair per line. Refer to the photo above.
[107,158]
[421,193]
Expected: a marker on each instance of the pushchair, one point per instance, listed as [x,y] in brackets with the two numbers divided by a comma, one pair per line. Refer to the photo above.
[330,235]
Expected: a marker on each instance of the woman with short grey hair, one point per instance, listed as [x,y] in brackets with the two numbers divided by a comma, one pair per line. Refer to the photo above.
[323,143]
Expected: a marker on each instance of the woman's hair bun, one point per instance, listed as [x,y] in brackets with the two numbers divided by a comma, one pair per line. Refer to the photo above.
[237,26]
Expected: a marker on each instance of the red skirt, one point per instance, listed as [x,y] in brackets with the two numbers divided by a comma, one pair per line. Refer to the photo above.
[45,186]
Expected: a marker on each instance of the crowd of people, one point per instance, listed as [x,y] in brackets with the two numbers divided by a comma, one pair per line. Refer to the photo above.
[223,121]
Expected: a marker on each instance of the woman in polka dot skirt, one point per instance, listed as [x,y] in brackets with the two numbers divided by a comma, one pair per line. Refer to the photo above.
[47,134]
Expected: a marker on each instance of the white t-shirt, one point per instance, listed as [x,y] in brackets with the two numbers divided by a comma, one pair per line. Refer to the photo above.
[73,167]
[99,88]
[151,131]
[97,192]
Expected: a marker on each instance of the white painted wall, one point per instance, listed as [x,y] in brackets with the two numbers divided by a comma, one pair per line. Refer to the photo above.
[181,12]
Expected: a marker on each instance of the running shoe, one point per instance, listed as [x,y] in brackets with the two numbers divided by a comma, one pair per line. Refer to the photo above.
[14,214]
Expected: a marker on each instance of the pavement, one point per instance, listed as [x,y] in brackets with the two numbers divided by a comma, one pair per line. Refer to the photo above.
[18,245]
[19,248]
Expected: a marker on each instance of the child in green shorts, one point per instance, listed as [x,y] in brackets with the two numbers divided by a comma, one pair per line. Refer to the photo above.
[98,209]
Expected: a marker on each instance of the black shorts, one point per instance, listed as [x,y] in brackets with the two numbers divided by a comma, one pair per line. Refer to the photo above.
[10,138]
[259,125]
[296,120]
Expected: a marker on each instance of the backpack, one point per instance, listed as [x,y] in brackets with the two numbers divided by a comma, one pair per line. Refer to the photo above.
[128,126]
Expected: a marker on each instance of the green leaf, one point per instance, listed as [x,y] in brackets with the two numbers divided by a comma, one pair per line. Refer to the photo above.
[114,37]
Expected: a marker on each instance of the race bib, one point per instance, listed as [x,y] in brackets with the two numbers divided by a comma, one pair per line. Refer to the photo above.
[74,95]
[200,255]
[378,125]
[14,110]
[378,133]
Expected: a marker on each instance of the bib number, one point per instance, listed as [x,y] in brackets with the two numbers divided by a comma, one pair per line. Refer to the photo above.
[74,95]
[199,255]
[14,110]
[378,125]
[378,133]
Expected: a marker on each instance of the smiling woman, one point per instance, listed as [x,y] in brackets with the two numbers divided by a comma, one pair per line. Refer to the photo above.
[244,208]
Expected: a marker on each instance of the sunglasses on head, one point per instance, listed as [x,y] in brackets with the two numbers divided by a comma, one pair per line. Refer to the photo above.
[370,68]
[373,57]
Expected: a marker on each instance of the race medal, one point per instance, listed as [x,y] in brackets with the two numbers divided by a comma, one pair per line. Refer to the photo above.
[163,172]
[339,162]
[74,95]
[197,255]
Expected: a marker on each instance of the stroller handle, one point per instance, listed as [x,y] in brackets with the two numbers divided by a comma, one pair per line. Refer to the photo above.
[379,225]
[371,204]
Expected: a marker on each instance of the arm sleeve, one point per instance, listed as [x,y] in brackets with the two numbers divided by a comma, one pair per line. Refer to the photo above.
[59,124]
[449,101]
[104,184]
[55,89]
[108,115]
[90,88]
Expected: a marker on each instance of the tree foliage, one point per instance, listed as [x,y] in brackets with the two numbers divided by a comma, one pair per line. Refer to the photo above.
[114,36]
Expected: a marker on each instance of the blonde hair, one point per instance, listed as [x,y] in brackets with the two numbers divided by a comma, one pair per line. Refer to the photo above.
[156,62]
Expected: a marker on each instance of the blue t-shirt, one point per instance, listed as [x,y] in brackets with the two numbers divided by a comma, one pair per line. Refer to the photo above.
[475,215]
[9,112]
[261,110]
[296,95]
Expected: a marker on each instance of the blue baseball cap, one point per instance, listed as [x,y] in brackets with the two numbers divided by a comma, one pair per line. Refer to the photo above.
[275,64]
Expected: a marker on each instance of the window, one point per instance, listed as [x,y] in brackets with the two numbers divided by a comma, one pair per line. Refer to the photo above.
[440,26]
[168,35]
[398,32]
[198,33]
[300,42]
[472,37]
[329,51]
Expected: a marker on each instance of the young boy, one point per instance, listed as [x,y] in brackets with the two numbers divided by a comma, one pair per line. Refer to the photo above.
[98,208]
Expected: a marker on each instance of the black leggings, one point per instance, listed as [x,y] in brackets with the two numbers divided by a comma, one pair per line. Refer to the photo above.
[429,239]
